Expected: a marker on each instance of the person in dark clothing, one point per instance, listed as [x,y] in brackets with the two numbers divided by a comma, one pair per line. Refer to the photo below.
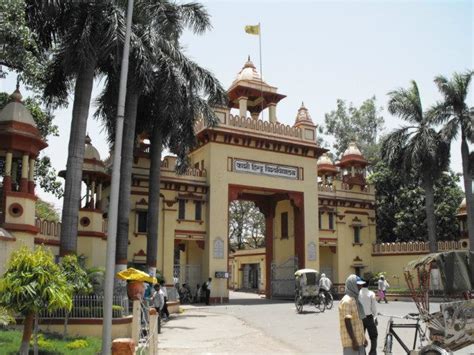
[207,288]
[164,311]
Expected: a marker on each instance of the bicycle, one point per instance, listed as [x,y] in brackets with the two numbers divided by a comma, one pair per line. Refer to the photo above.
[420,336]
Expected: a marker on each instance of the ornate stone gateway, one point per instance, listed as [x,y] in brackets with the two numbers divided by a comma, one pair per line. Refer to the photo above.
[283,279]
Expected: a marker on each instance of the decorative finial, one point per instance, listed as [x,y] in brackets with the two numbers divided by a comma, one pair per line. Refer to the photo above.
[16,96]
[88,139]
[302,103]
[248,58]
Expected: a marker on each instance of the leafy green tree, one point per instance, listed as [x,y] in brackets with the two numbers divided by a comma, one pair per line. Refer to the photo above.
[6,317]
[417,149]
[454,112]
[19,47]
[45,175]
[400,213]
[361,124]
[246,225]
[77,278]
[79,36]
[45,211]
[31,283]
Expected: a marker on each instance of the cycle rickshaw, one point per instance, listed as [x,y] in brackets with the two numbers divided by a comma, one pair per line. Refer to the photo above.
[307,290]
[451,274]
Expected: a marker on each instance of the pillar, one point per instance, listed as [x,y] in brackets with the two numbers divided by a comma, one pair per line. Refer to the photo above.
[243,106]
[92,201]
[352,170]
[268,209]
[24,173]
[7,180]
[272,113]
[99,196]
[31,176]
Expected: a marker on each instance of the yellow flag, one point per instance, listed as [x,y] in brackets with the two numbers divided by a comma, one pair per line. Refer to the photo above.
[253,30]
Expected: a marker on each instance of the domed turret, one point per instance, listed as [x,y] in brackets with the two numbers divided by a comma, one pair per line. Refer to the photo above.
[249,73]
[94,175]
[21,143]
[352,157]
[326,166]
[303,116]
[353,166]
[250,93]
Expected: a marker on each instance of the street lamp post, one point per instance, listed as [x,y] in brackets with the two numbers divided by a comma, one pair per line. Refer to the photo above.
[114,193]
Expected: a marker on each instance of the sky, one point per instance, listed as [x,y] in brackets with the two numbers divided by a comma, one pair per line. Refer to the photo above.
[319,51]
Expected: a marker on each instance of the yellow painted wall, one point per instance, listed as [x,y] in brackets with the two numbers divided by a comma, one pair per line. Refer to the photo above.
[283,248]
[242,257]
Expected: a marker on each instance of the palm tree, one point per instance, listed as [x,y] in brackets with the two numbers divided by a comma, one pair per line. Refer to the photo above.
[155,49]
[175,105]
[417,149]
[81,34]
[454,112]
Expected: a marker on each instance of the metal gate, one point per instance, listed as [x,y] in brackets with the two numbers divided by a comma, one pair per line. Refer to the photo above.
[189,274]
[283,279]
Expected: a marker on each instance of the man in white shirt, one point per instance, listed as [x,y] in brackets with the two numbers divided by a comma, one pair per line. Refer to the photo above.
[325,285]
[369,303]
[208,290]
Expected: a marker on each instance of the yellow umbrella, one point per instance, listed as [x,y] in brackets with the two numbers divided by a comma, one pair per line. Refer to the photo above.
[132,274]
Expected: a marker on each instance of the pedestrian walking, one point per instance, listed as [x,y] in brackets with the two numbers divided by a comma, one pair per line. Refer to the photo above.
[368,301]
[351,314]
[382,288]
[165,312]
[325,285]
[207,285]
[158,299]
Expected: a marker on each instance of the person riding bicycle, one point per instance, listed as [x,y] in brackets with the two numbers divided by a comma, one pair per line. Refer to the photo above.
[325,286]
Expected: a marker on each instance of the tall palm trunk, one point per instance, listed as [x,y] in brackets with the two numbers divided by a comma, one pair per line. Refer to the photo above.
[72,189]
[128,141]
[468,190]
[430,213]
[27,331]
[153,199]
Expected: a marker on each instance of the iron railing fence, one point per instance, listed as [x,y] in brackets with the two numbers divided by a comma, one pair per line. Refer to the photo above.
[91,306]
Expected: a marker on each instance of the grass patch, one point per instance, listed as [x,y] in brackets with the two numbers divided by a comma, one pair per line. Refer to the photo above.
[50,344]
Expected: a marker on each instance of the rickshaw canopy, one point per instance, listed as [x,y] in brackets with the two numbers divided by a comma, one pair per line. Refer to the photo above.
[305,271]
[456,268]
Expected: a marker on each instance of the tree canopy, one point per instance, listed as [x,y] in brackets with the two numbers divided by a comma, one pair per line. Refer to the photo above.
[246,226]
[400,212]
[362,124]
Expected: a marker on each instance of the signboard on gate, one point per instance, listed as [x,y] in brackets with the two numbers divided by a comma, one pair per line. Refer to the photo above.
[262,168]
[221,275]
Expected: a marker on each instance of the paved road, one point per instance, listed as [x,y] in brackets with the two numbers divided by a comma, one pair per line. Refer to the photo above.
[251,324]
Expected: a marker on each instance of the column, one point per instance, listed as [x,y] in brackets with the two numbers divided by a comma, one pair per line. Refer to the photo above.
[243,106]
[24,173]
[92,202]
[268,209]
[99,196]
[7,180]
[272,113]
[31,176]
[352,170]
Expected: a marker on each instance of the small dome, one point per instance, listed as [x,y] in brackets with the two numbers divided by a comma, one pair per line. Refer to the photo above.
[326,166]
[248,72]
[16,111]
[90,151]
[324,160]
[352,149]
[303,116]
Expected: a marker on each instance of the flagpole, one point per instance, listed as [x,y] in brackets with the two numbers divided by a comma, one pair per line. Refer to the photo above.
[261,70]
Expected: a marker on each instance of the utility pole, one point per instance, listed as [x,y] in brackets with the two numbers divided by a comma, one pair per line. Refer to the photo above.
[114,193]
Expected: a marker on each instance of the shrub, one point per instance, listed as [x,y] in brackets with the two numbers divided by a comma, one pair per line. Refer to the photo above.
[77,344]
